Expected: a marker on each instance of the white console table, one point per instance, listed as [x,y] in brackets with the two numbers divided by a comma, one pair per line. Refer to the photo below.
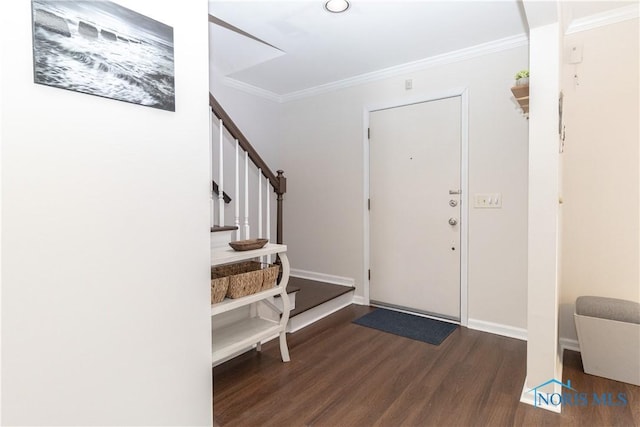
[238,336]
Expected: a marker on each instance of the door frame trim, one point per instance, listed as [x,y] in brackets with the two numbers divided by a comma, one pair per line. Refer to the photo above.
[463,93]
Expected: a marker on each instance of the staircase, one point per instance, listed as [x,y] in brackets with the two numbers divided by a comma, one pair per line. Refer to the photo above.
[316,300]
[221,236]
[243,198]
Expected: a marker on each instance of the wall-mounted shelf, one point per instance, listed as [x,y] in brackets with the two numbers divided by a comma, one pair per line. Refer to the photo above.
[521,93]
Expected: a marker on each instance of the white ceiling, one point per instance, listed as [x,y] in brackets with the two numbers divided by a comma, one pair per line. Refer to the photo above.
[317,47]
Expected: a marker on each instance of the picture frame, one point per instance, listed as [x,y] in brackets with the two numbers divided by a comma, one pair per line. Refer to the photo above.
[104,49]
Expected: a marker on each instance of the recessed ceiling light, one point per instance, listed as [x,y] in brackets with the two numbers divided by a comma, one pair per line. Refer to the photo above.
[336,6]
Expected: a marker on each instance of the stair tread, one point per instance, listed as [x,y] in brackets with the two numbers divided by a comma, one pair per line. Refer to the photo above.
[313,293]
[290,290]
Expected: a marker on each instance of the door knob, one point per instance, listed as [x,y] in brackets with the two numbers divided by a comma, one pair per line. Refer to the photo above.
[453,221]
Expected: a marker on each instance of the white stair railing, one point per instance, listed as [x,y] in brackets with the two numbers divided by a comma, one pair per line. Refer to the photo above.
[247,198]
[231,144]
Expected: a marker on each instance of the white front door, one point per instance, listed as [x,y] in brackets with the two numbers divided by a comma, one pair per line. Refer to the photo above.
[415,214]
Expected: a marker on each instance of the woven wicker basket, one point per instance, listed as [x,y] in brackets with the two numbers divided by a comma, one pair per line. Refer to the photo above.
[270,273]
[243,284]
[246,278]
[237,268]
[219,287]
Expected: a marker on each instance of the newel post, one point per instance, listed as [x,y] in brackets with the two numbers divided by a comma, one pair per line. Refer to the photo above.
[282,188]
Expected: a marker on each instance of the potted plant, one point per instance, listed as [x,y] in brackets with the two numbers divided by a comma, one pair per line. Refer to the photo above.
[522,78]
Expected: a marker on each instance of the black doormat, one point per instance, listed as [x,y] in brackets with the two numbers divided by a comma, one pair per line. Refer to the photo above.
[407,325]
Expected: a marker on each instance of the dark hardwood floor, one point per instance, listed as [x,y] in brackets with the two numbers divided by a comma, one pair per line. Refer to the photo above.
[342,374]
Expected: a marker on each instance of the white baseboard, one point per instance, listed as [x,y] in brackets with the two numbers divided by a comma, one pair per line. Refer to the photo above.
[569,344]
[358,300]
[321,277]
[498,329]
[529,398]
[316,313]
[518,333]
[525,397]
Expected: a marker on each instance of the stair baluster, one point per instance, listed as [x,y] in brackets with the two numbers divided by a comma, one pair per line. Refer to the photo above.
[246,195]
[212,207]
[268,225]
[281,189]
[260,235]
[236,221]
[260,203]
[221,177]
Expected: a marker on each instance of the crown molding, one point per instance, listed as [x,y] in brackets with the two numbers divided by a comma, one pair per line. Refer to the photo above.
[433,61]
[582,24]
[605,18]
[251,89]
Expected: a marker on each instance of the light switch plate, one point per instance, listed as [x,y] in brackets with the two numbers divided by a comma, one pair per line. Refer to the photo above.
[488,200]
[575,54]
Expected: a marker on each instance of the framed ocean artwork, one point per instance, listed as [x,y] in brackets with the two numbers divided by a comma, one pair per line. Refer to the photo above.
[104,49]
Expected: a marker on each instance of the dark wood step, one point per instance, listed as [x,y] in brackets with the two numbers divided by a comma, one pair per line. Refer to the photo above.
[290,290]
[313,293]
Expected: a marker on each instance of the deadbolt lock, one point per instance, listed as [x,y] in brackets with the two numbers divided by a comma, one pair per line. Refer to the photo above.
[453,203]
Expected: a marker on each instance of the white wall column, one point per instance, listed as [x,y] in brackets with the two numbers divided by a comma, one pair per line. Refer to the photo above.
[543,362]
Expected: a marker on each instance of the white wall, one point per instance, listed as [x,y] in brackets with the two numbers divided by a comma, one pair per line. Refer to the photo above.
[601,216]
[1,173]
[105,260]
[258,118]
[322,152]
